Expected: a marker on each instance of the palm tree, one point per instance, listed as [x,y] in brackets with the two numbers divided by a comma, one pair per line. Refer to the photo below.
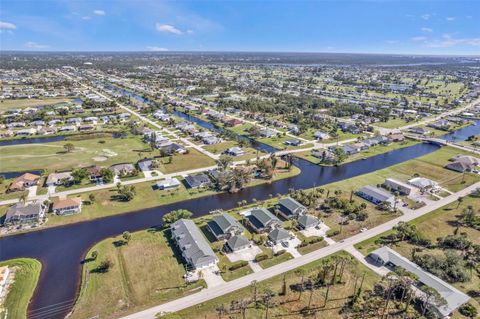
[301,273]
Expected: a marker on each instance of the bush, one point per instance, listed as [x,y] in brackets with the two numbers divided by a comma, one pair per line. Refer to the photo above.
[261,256]
[332,232]
[280,252]
[468,310]
[237,265]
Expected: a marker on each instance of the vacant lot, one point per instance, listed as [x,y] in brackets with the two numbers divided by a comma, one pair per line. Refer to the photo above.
[182,162]
[145,272]
[24,103]
[52,156]
[222,147]
[27,272]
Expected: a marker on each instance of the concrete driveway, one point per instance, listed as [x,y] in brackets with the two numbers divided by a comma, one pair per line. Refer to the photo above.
[292,244]
[319,231]
[211,276]
[247,254]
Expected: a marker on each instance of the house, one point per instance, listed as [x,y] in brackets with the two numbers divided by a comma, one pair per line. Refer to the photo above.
[464,163]
[194,247]
[24,181]
[293,142]
[396,137]
[375,195]
[350,149]
[307,222]
[56,179]
[67,206]
[26,132]
[172,148]
[224,226]
[168,183]
[94,173]
[235,151]
[67,128]
[198,180]
[261,220]
[145,164]
[86,127]
[290,208]
[293,128]
[323,154]
[423,183]
[454,298]
[419,130]
[237,243]
[394,185]
[321,135]
[279,235]
[22,213]
[267,133]
[123,169]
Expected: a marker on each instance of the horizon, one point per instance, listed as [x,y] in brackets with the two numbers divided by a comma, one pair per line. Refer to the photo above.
[447,28]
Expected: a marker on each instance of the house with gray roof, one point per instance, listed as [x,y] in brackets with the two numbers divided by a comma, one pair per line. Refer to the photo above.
[279,235]
[236,243]
[290,208]
[261,220]
[307,222]
[198,180]
[193,245]
[375,195]
[224,226]
[454,298]
[22,214]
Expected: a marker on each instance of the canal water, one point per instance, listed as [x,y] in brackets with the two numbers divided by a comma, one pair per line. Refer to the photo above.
[62,249]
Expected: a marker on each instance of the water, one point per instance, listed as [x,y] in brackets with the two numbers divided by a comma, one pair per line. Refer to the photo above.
[9,175]
[35,140]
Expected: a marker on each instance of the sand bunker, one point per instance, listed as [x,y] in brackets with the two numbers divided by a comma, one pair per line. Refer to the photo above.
[100,158]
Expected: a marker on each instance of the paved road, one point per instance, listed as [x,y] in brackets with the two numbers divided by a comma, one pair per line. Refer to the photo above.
[217,291]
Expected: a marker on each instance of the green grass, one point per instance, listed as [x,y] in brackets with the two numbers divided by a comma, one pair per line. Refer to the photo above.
[289,306]
[52,156]
[145,272]
[220,148]
[24,103]
[229,275]
[312,247]
[27,272]
[182,162]
[274,260]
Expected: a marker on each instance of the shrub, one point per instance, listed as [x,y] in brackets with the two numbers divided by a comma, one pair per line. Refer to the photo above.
[261,256]
[332,232]
[237,265]
[468,310]
[280,252]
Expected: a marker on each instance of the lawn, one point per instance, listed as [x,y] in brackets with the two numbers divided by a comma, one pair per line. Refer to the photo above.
[24,103]
[182,162]
[145,272]
[27,272]
[392,123]
[52,156]
[229,275]
[289,305]
[274,260]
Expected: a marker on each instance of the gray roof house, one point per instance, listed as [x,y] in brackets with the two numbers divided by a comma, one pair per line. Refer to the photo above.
[123,169]
[307,221]
[375,195]
[236,243]
[168,183]
[198,180]
[22,213]
[290,208]
[194,247]
[262,220]
[55,179]
[453,297]
[224,226]
[395,185]
[278,235]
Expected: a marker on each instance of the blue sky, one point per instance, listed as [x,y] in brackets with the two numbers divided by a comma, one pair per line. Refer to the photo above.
[407,26]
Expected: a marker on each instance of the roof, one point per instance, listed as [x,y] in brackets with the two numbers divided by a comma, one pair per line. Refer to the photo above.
[68,202]
[197,180]
[260,217]
[28,177]
[453,296]
[237,241]
[291,205]
[23,210]
[308,221]
[169,182]
[422,182]
[279,234]
[222,224]
[377,193]
[391,181]
[117,168]
[192,243]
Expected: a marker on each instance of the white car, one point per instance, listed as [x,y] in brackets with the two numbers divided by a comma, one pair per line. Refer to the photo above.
[364,229]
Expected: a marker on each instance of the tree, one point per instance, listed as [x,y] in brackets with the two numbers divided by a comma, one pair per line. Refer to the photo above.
[224,162]
[104,266]
[107,175]
[91,197]
[127,192]
[126,236]
[79,175]
[300,273]
[94,254]
[69,147]
[267,299]
[459,201]
[468,310]
[175,215]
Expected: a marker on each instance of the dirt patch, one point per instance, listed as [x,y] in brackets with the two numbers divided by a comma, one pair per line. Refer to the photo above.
[100,158]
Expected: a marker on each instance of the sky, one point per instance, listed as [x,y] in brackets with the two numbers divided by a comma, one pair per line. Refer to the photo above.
[372,26]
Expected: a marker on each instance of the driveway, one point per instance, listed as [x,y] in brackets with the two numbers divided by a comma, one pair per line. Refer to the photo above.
[319,231]
[212,276]
[247,254]
[32,191]
[292,244]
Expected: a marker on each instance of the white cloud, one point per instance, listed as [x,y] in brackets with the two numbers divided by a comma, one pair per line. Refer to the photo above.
[425,16]
[99,13]
[450,18]
[427,29]
[86,18]
[36,46]
[167,28]
[7,25]
[419,38]
[156,49]
[448,40]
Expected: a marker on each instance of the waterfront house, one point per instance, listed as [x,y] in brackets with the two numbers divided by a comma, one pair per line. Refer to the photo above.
[375,195]
[261,220]
[305,222]
[394,185]
[198,180]
[290,208]
[24,181]
[67,206]
[224,226]
[23,213]
[167,183]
